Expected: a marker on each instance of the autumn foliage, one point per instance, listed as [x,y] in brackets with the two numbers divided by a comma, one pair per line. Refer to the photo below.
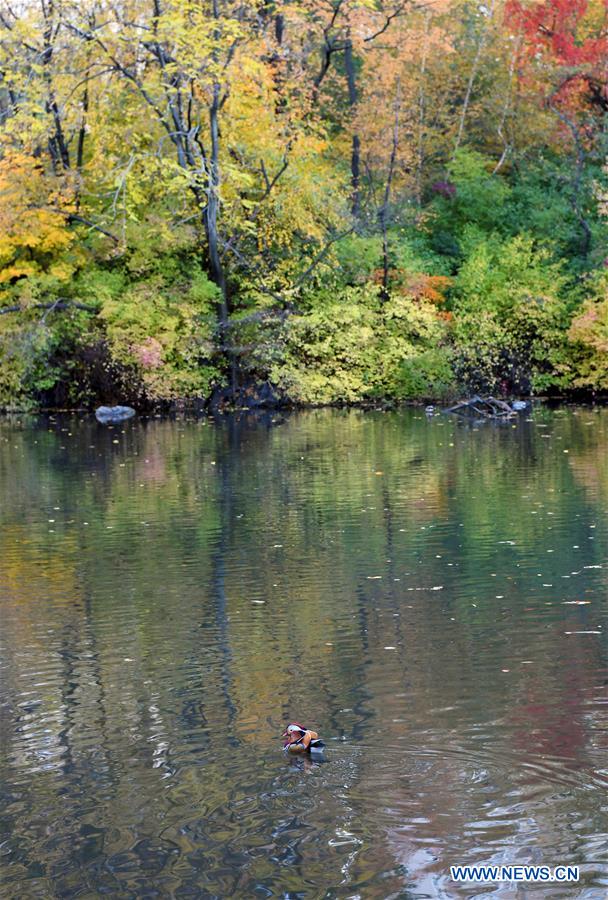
[33,218]
[186,189]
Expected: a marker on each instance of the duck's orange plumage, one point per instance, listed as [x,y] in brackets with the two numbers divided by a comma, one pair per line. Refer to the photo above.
[298,738]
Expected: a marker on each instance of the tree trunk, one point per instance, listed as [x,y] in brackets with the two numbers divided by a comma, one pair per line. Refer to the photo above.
[422,108]
[472,76]
[577,177]
[58,149]
[383,215]
[83,130]
[216,269]
[355,159]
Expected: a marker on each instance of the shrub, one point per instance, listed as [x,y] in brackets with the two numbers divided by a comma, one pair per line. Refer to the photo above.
[42,358]
[589,339]
[351,347]
[472,196]
[510,305]
[428,375]
[162,327]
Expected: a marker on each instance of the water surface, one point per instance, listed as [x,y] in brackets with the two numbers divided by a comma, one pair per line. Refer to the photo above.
[431,596]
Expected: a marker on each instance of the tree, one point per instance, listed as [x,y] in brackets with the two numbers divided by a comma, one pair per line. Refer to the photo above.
[564,49]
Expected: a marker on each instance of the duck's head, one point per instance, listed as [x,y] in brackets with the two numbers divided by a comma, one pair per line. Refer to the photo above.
[293,733]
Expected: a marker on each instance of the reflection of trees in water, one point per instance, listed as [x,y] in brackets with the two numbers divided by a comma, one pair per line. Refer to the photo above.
[165,679]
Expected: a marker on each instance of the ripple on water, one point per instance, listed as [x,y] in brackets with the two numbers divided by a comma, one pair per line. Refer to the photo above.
[430,597]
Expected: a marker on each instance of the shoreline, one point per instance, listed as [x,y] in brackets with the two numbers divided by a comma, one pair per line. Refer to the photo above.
[203,409]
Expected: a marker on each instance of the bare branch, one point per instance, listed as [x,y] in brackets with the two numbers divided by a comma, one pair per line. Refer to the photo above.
[400,9]
[321,256]
[57,304]
[73,217]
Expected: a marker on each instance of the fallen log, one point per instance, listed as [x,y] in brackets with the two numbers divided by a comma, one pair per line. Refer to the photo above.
[484,407]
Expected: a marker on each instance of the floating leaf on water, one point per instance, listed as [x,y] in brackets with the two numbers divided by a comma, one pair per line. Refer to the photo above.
[582,632]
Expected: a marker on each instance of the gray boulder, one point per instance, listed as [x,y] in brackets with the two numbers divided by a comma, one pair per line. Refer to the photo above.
[109,415]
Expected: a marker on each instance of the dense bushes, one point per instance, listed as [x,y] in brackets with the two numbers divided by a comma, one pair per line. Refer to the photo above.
[352,345]
[483,294]
[143,328]
[510,315]
[589,336]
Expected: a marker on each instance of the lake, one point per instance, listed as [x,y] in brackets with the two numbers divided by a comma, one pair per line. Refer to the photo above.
[430,595]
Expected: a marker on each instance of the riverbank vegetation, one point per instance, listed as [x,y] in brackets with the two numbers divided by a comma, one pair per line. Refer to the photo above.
[344,200]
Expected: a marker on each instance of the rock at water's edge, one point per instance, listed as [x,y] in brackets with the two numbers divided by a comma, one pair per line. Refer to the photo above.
[112,414]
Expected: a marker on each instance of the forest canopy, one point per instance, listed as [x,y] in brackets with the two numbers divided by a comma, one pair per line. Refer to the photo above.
[346,200]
